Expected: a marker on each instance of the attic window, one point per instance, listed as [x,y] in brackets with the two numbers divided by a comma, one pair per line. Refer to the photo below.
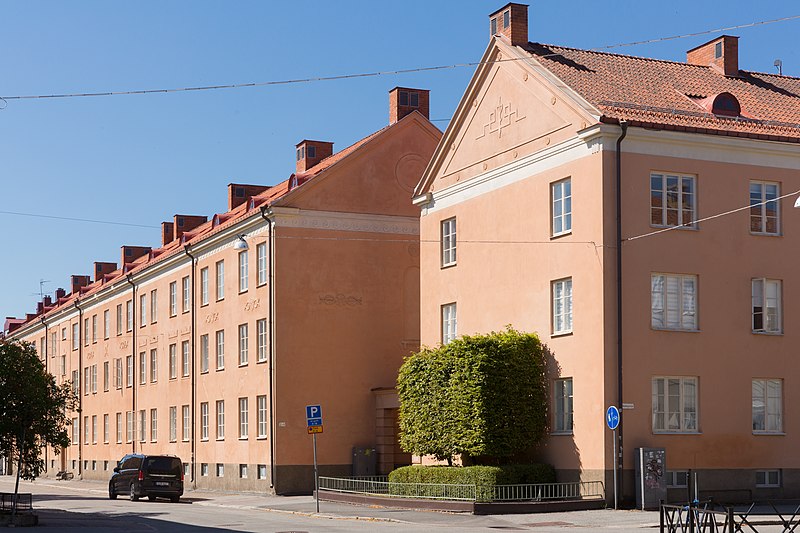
[494,26]
[180,222]
[239,192]
[312,152]
[726,104]
[718,50]
[506,18]
[301,153]
[410,99]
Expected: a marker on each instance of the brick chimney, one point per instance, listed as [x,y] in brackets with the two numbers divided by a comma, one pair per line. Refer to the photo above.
[403,101]
[101,269]
[130,254]
[721,53]
[167,233]
[60,293]
[511,21]
[184,223]
[239,194]
[48,302]
[309,153]
[76,282]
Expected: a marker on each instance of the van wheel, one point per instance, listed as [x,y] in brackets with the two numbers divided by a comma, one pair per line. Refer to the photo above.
[133,495]
[111,494]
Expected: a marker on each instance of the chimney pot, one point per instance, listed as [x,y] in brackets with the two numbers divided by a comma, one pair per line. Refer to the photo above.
[184,223]
[239,193]
[403,100]
[511,21]
[309,153]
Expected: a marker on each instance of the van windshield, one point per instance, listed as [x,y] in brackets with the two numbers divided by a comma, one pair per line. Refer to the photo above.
[163,465]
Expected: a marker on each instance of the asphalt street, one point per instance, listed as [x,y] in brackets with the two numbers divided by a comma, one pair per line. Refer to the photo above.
[83,505]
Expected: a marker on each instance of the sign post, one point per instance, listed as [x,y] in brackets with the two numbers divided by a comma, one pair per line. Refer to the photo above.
[314,423]
[612,419]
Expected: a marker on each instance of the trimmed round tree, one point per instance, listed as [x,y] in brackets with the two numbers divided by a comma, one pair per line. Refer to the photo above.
[481,396]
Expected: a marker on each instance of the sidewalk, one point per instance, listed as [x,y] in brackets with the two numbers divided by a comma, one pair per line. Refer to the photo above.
[305,505]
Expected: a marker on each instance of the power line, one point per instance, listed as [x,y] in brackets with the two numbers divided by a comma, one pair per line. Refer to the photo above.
[73,219]
[366,74]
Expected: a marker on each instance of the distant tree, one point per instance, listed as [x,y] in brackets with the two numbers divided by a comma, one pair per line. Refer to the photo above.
[481,396]
[32,409]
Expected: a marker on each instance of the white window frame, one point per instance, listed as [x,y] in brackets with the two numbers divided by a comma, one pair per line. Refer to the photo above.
[185,359]
[173,361]
[220,352]
[204,353]
[186,428]
[687,216]
[154,425]
[561,207]
[119,319]
[173,423]
[683,410]
[129,315]
[261,260]
[142,368]
[244,406]
[261,407]
[153,365]
[106,324]
[119,428]
[220,410]
[759,217]
[105,428]
[142,310]
[767,406]
[449,314]
[261,349]
[243,271]
[187,294]
[449,242]
[764,291]
[154,306]
[763,478]
[173,298]
[563,406]
[561,290]
[243,344]
[673,312]
[142,425]
[204,286]
[220,273]
[203,421]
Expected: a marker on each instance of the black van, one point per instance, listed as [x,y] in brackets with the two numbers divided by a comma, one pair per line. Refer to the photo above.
[153,476]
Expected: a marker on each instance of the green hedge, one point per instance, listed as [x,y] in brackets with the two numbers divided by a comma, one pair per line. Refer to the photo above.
[483,477]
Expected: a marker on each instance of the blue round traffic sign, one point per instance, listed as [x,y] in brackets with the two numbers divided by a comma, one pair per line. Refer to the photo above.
[612,417]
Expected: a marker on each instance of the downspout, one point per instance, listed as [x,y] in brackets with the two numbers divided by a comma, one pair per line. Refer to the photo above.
[129,278]
[270,328]
[80,388]
[186,250]
[46,354]
[624,126]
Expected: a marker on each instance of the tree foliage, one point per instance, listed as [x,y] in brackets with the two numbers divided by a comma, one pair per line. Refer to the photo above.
[32,408]
[477,396]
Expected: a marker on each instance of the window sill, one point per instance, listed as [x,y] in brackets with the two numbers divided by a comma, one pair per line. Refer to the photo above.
[663,432]
[242,365]
[769,433]
[221,440]
[768,333]
[675,329]
[261,362]
[261,437]
[765,234]
[561,333]
[243,291]
[262,284]
[448,265]
[184,311]
[676,226]
[562,234]
[220,369]
[243,438]
[562,433]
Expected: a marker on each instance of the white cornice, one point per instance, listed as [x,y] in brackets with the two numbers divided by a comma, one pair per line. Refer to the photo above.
[289,217]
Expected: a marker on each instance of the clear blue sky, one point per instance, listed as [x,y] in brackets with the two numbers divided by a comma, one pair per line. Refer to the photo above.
[142,159]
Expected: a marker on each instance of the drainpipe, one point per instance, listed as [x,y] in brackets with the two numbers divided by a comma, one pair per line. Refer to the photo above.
[187,250]
[271,328]
[80,388]
[46,353]
[624,126]
[129,278]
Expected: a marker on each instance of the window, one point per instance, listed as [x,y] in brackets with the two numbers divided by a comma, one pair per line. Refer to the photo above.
[106,324]
[119,319]
[76,385]
[75,431]
[118,373]
[768,478]
[153,425]
[675,404]
[243,271]
[766,305]
[261,260]
[261,326]
[94,379]
[561,196]
[204,353]
[764,208]
[142,310]
[129,423]
[86,430]
[243,418]
[153,366]
[105,429]
[53,348]
[494,26]
[506,19]
[203,421]
[86,380]
[262,471]
[186,294]
[204,469]
[243,345]
[220,349]
[187,428]
[243,471]
[63,364]
[142,425]
[94,429]
[204,286]
[767,406]
[173,361]
[173,424]
[220,419]
[261,405]
[76,339]
[63,334]
[672,200]
[449,323]
[153,306]
[220,268]
[185,357]
[673,301]
[119,428]
[173,298]
[562,306]
[142,368]
[408,98]
[106,373]
[129,371]
[129,314]
[220,470]
[86,330]
[563,406]
[449,242]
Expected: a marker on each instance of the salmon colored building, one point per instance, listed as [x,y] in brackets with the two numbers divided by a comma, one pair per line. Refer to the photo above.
[210,346]
[558,163]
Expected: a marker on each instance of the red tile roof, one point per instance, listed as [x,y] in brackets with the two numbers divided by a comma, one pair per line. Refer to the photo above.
[669,94]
